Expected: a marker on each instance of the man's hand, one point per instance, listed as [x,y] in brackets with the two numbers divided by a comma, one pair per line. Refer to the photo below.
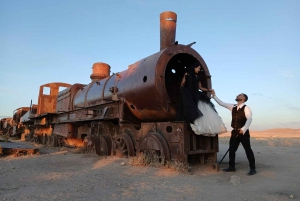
[241,132]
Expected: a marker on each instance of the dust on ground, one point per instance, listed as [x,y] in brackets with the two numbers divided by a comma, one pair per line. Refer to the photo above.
[64,174]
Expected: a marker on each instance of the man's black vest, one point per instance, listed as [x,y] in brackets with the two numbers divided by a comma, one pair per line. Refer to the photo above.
[238,117]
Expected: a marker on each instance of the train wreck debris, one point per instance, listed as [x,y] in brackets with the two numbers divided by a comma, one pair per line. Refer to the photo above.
[17,148]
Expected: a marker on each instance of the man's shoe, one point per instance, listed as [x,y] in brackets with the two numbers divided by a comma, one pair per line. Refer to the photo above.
[252,172]
[230,169]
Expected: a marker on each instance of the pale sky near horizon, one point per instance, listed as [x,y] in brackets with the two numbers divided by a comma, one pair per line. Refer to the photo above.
[249,47]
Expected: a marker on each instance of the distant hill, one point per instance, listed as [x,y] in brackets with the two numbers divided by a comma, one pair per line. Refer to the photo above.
[281,130]
[5,117]
[271,133]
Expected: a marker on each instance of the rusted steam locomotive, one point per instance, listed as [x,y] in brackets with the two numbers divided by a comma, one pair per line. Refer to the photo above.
[132,111]
[6,125]
[14,126]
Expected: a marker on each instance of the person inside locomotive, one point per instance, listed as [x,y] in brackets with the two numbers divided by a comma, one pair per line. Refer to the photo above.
[195,106]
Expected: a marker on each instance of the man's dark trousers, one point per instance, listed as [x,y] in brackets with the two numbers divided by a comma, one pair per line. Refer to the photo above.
[235,141]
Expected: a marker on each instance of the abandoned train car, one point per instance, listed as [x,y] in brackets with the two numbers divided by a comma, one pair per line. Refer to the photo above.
[6,125]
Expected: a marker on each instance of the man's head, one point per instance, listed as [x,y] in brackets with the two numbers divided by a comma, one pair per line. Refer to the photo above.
[241,98]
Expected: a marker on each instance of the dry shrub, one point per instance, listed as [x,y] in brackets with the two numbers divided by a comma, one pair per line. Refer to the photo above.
[84,150]
[178,166]
[153,160]
[14,138]
[4,138]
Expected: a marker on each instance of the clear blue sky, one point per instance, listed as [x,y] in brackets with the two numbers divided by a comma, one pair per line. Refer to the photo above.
[248,46]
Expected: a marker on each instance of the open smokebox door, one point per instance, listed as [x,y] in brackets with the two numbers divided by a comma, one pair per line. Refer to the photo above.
[175,70]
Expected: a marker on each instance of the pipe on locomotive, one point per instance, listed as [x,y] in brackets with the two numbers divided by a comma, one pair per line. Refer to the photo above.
[168,21]
[150,87]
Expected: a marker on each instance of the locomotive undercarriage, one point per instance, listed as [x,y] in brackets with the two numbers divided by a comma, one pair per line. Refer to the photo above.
[168,140]
[110,136]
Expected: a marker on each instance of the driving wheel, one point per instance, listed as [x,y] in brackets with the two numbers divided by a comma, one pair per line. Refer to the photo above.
[155,143]
[123,146]
[102,145]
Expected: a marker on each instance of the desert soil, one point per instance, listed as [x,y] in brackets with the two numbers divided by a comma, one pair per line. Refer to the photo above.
[63,174]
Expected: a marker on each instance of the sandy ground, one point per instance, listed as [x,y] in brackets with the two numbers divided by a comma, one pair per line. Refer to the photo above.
[61,174]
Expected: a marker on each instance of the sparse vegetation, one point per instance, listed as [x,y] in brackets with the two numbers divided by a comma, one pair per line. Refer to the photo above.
[84,150]
[4,138]
[153,160]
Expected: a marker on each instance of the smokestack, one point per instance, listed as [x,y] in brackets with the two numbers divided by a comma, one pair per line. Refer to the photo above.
[168,21]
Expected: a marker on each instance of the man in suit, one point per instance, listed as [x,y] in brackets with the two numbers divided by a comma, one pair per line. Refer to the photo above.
[241,120]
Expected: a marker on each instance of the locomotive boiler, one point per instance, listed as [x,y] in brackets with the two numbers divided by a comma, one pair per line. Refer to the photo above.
[149,87]
[133,111]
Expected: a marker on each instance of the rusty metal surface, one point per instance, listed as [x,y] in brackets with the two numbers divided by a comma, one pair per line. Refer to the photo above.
[107,111]
[29,114]
[103,145]
[123,146]
[18,126]
[100,70]
[169,140]
[181,142]
[6,124]
[46,109]
[109,138]
[149,88]
[47,102]
[167,29]
[65,98]
[18,113]
[155,143]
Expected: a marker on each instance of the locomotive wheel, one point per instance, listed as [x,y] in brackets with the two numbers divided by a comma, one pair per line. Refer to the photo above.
[123,146]
[54,140]
[155,143]
[10,131]
[44,139]
[102,145]
[49,140]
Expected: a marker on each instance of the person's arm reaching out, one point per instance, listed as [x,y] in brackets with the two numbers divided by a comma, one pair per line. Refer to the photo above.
[226,105]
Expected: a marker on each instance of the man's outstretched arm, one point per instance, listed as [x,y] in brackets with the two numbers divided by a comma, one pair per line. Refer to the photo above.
[226,105]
